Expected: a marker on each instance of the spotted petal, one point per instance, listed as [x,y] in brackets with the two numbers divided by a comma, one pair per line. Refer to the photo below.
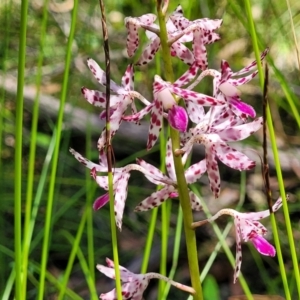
[149,52]
[233,158]
[212,169]
[195,171]
[240,132]
[199,49]
[132,25]
[155,199]
[156,120]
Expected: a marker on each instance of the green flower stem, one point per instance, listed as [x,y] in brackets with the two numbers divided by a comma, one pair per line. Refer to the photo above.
[182,186]
[109,155]
[18,151]
[187,219]
[164,44]
[165,217]
[56,155]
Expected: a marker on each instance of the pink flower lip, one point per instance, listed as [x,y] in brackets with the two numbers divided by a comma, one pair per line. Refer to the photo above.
[262,245]
[178,118]
[100,201]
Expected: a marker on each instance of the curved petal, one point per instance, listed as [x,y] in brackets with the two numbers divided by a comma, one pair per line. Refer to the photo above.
[155,199]
[157,177]
[195,171]
[120,191]
[212,170]
[195,202]
[182,52]
[233,158]
[156,120]
[170,162]
[149,52]
[128,78]
[240,132]
[200,99]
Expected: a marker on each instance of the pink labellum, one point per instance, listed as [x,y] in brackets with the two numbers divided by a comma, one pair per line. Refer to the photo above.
[100,201]
[262,245]
[178,118]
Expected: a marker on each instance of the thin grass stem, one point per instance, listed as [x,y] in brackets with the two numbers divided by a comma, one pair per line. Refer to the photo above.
[56,153]
[18,151]
[32,151]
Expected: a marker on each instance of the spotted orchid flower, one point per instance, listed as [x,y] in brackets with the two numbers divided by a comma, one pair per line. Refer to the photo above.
[120,183]
[180,30]
[200,32]
[123,96]
[214,137]
[247,228]
[177,117]
[134,285]
[169,183]
[225,85]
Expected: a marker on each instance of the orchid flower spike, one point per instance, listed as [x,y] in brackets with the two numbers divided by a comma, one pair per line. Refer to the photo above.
[247,228]
[134,285]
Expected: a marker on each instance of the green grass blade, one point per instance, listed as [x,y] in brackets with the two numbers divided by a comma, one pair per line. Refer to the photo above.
[73,254]
[178,234]
[84,266]
[18,150]
[56,153]
[279,174]
[31,163]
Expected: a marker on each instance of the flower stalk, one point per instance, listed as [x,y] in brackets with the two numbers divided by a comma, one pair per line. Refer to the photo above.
[109,155]
[179,170]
